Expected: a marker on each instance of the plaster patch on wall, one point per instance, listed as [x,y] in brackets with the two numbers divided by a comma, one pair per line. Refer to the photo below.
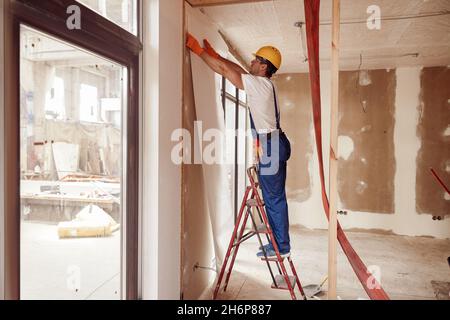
[366,177]
[346,147]
[447,132]
[435,145]
[361,187]
[296,120]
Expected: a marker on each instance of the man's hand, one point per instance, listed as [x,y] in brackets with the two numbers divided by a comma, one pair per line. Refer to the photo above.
[193,45]
[218,65]
[210,50]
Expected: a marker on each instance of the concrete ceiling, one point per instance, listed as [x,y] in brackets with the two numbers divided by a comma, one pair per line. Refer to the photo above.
[413,32]
[39,47]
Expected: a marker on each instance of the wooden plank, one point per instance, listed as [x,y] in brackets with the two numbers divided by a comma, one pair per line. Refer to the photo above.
[332,226]
[210,3]
[374,291]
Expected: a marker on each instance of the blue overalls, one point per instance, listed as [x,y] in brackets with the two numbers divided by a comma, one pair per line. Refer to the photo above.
[272,179]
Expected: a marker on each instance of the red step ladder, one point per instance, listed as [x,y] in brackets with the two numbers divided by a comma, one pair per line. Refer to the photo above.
[252,202]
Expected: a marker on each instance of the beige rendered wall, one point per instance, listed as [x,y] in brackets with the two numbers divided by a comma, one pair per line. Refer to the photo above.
[377,152]
[161,178]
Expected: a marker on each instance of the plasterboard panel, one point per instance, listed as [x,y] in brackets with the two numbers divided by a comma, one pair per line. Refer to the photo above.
[294,95]
[197,240]
[434,132]
[208,108]
[366,138]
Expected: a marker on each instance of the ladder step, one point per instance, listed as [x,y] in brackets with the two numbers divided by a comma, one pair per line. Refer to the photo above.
[245,238]
[281,282]
[262,229]
[253,203]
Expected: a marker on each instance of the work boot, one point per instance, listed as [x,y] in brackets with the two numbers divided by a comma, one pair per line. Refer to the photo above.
[272,254]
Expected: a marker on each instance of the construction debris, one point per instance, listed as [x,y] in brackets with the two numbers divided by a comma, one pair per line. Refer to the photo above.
[92,221]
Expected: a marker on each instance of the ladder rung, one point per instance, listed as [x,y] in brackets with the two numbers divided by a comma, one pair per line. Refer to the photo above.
[253,203]
[281,282]
[245,238]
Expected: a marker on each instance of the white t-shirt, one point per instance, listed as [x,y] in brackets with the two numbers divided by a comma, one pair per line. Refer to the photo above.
[261,101]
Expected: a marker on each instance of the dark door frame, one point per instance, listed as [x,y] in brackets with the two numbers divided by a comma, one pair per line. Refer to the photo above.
[98,35]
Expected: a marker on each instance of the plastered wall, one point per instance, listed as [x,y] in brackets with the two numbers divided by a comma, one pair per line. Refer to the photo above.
[434,132]
[381,149]
[294,96]
[161,178]
[366,136]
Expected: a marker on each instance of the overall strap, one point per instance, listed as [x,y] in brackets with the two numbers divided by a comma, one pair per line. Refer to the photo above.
[277,112]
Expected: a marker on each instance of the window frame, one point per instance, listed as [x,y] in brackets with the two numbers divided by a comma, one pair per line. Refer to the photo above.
[238,103]
[97,35]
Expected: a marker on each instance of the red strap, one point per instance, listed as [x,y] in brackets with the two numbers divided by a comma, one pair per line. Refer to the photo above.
[370,284]
[439,180]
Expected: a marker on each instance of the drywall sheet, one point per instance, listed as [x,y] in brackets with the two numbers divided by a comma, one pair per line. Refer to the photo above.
[294,95]
[206,85]
[197,248]
[366,141]
[434,132]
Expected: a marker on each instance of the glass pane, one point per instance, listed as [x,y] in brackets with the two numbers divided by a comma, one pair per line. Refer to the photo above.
[121,12]
[230,109]
[242,96]
[230,88]
[242,152]
[71,111]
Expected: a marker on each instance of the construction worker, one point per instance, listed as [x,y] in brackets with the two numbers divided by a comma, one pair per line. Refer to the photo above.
[274,147]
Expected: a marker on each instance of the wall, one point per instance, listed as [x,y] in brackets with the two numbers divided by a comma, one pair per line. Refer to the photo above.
[161,179]
[434,132]
[207,210]
[402,156]
[2,153]
[197,239]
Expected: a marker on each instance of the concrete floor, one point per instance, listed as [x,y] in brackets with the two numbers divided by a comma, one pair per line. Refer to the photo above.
[55,269]
[68,269]
[407,266]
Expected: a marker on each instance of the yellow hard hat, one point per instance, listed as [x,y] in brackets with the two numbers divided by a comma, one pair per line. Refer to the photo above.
[270,53]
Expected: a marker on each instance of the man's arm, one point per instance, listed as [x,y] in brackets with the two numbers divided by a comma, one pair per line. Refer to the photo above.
[216,64]
[210,50]
[224,69]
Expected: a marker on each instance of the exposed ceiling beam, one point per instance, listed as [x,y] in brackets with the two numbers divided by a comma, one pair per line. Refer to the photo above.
[209,3]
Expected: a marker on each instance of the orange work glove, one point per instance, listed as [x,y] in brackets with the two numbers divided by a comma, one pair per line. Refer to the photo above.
[210,50]
[193,44]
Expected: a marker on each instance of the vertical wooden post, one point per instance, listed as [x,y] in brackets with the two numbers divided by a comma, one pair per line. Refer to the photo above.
[332,227]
